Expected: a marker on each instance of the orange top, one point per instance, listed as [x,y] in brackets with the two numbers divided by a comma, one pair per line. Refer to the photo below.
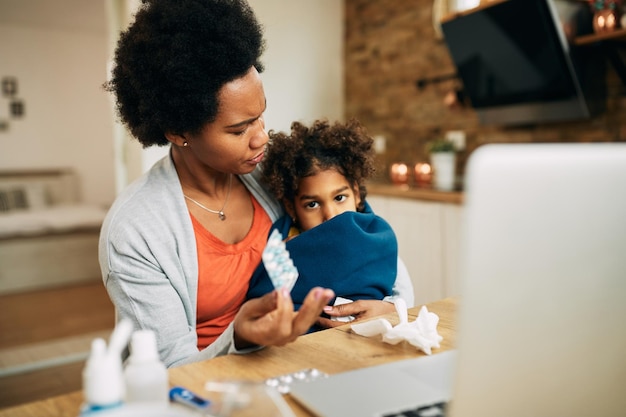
[224,273]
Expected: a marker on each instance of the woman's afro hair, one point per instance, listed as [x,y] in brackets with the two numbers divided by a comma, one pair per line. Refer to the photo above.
[172,61]
[347,148]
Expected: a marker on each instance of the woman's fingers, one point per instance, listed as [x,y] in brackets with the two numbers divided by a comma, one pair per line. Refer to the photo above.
[282,319]
[253,321]
[311,309]
[271,320]
[259,307]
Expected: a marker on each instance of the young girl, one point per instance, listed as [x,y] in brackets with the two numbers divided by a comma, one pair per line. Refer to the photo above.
[332,235]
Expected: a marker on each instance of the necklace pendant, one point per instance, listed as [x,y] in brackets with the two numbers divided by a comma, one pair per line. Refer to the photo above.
[222,215]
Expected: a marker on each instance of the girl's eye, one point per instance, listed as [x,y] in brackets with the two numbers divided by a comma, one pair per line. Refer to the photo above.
[312,204]
[341,198]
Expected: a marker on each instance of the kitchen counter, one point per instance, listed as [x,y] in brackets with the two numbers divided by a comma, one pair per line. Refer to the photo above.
[414,193]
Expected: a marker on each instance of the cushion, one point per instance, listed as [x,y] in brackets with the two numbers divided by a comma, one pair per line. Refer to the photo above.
[54,219]
[36,196]
[13,199]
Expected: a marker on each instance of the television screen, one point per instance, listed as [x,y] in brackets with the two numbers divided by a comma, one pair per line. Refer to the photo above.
[516,65]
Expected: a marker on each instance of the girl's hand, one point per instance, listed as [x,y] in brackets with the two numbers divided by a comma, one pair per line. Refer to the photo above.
[360,310]
[271,320]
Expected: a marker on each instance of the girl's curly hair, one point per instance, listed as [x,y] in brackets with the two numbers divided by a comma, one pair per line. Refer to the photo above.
[172,61]
[346,148]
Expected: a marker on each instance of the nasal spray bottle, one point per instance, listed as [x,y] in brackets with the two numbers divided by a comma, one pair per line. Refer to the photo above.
[145,375]
[103,380]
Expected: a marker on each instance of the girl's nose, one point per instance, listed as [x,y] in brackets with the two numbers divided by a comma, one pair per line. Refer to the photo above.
[329,212]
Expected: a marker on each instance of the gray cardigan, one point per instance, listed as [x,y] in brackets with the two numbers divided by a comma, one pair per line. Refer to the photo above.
[149,262]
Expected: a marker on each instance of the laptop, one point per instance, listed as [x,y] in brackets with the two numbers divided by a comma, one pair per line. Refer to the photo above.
[542,315]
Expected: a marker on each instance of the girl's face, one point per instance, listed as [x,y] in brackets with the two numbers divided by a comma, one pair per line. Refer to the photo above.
[235,141]
[321,197]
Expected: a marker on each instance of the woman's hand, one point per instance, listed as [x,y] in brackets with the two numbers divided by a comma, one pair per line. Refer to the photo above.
[360,309]
[271,320]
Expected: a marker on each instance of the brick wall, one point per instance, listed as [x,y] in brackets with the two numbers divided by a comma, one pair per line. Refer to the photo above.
[390,44]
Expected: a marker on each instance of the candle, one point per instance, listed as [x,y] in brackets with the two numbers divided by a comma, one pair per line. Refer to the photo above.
[423,174]
[399,173]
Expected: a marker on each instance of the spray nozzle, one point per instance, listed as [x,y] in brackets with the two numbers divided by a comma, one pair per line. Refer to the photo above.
[120,337]
[103,382]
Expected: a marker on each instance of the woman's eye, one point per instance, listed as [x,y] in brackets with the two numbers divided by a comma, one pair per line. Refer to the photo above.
[241,131]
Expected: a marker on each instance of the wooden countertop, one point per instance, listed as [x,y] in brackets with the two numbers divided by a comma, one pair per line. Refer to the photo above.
[331,351]
[414,193]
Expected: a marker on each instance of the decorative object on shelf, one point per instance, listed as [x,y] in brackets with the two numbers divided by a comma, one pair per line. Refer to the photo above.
[606,16]
[443,162]
[440,9]
[399,173]
[604,21]
[423,174]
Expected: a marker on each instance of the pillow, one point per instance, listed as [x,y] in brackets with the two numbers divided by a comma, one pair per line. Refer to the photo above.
[36,196]
[13,199]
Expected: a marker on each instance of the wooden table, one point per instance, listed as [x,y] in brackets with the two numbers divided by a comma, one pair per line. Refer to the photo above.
[331,351]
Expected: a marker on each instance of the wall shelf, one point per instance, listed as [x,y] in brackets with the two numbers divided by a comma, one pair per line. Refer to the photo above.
[618,35]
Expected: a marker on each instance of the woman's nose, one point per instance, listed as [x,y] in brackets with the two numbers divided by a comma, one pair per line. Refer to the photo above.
[260,136]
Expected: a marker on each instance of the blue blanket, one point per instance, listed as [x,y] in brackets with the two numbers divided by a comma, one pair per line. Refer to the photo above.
[355,254]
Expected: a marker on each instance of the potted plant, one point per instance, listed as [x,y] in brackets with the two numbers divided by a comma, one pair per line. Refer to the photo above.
[440,145]
[443,161]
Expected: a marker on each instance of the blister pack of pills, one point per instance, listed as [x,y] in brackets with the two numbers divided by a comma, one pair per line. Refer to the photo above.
[282,383]
[279,266]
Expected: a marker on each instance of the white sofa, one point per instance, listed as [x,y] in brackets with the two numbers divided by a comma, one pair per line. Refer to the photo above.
[48,237]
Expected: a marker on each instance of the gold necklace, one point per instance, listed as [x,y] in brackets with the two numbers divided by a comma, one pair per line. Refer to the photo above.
[220,213]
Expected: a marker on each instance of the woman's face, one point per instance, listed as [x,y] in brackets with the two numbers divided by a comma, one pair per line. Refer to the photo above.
[235,141]
[321,197]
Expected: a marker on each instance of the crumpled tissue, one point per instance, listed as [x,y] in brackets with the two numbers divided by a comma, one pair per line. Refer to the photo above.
[421,333]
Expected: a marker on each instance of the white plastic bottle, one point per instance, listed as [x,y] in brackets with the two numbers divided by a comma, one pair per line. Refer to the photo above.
[103,379]
[145,375]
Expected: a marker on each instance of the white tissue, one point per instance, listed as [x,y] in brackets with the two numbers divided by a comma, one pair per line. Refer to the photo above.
[421,333]
[340,301]
[372,327]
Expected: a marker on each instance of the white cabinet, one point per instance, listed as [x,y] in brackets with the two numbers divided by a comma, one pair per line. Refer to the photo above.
[428,241]
[451,232]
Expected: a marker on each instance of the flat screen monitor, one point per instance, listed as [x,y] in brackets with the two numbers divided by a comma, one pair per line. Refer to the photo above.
[517,66]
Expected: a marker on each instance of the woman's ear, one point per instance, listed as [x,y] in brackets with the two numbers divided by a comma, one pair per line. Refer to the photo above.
[176,139]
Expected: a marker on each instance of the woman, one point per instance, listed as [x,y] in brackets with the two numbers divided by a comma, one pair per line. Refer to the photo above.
[179,245]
